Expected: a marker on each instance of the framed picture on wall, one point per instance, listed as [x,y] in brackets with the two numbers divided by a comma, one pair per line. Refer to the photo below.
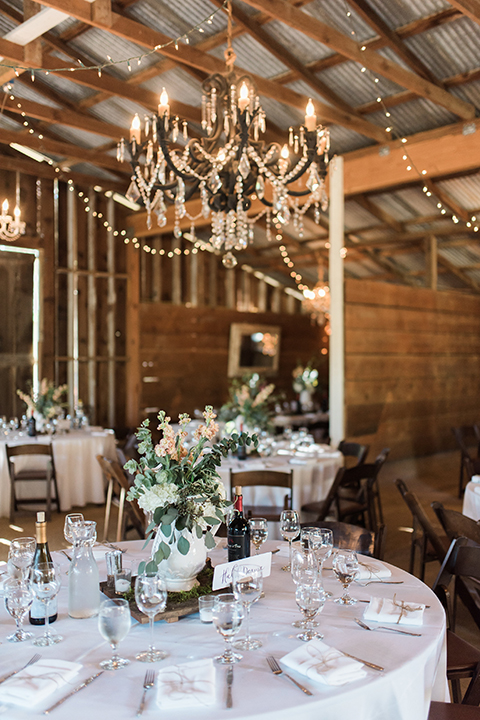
[253,348]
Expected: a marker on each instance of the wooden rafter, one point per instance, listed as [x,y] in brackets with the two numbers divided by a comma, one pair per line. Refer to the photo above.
[458,273]
[377,212]
[334,39]
[137,33]
[470,8]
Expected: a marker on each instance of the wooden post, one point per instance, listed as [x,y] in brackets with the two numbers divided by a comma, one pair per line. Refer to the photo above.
[133,376]
[92,309]
[230,289]
[72,372]
[337,337]
[431,262]
[111,302]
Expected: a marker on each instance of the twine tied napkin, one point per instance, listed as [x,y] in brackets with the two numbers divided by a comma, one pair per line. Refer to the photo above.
[190,684]
[324,664]
[369,569]
[36,682]
[394,611]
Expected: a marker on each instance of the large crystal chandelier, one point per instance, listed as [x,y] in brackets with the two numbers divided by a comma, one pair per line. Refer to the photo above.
[230,166]
[12,227]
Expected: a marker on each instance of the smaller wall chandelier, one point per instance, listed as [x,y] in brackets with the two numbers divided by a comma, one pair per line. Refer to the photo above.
[230,166]
[317,302]
[12,227]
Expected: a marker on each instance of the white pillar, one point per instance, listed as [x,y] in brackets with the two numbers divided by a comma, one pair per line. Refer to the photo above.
[335,281]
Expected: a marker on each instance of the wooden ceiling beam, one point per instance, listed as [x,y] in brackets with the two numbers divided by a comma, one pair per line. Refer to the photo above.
[458,273]
[392,40]
[342,44]
[147,37]
[470,8]
[448,201]
[380,214]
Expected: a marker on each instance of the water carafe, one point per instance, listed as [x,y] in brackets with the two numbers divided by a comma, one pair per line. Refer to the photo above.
[83,578]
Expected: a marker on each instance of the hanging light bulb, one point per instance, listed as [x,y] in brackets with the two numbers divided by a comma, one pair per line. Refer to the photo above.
[310,117]
[243,100]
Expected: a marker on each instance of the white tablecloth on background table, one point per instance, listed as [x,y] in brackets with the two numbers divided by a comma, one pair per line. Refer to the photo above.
[471,499]
[79,476]
[414,666]
[312,477]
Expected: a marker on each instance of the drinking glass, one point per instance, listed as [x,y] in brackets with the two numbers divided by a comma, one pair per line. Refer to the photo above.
[247,584]
[151,598]
[304,572]
[46,583]
[310,599]
[258,532]
[114,623]
[227,617]
[71,521]
[290,528]
[18,600]
[20,556]
[345,567]
[320,540]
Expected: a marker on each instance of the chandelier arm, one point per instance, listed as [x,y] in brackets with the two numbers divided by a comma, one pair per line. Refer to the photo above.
[168,159]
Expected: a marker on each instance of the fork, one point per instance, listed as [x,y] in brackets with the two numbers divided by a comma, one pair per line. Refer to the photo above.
[383,627]
[32,660]
[277,670]
[382,582]
[148,683]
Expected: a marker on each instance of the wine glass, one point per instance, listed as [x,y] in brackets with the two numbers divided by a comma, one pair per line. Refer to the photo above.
[114,623]
[290,528]
[310,598]
[46,583]
[345,567]
[151,598]
[71,520]
[18,600]
[227,616]
[304,572]
[20,556]
[258,532]
[247,584]
[320,540]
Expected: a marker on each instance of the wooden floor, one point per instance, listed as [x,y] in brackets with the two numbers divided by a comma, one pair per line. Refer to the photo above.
[432,478]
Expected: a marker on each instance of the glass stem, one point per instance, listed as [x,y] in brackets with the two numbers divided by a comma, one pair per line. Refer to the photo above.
[47,626]
[322,563]
[290,553]
[150,620]
[247,623]
[228,650]
[114,652]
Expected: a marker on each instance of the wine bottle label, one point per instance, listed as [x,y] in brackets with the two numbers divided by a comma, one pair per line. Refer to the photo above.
[37,610]
[238,547]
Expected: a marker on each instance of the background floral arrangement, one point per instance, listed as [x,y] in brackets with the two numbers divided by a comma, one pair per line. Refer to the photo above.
[253,399]
[47,401]
[305,377]
[181,485]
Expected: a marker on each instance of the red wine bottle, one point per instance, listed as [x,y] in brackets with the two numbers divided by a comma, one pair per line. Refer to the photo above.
[42,555]
[238,536]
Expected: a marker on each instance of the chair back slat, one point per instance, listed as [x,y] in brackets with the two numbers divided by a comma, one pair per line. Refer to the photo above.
[455,524]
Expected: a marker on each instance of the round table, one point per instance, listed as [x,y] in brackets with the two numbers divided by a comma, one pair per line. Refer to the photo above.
[414,666]
[471,499]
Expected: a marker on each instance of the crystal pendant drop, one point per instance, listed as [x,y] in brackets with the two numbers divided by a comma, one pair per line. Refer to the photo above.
[313,180]
[215,183]
[244,166]
[229,260]
[260,187]
[133,193]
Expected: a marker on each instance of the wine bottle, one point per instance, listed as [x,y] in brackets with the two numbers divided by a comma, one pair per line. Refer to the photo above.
[31,426]
[42,555]
[238,536]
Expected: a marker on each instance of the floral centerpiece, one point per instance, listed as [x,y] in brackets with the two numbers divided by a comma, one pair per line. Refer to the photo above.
[251,399]
[180,488]
[305,382]
[46,403]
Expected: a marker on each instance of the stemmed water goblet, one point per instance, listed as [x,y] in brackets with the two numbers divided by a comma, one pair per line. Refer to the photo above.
[320,540]
[19,597]
[20,556]
[310,598]
[258,532]
[247,584]
[151,598]
[304,572]
[45,579]
[227,616]
[345,567]
[290,528]
[114,623]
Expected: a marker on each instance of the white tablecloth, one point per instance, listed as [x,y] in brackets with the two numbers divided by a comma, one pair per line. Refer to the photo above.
[414,666]
[312,477]
[471,499]
[79,476]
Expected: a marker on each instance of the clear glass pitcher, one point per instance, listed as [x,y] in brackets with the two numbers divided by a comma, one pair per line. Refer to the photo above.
[83,578]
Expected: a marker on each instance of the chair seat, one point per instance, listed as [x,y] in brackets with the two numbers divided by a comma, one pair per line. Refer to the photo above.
[271,514]
[461,656]
[453,711]
[314,507]
[31,475]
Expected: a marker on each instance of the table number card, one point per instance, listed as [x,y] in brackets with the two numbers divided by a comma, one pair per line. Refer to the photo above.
[222,576]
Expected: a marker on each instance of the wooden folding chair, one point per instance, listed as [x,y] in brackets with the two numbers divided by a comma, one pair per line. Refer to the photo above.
[129,514]
[264,478]
[46,472]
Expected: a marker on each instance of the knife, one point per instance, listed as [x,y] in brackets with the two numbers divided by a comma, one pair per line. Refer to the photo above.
[229,686]
[75,690]
[364,662]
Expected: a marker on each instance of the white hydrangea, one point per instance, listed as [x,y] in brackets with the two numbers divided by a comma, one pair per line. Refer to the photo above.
[158,496]
[221,490]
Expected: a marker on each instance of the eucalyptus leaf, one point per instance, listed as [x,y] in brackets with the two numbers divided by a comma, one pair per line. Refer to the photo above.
[141,567]
[183,545]
[166,530]
[199,531]
[150,567]
[166,550]
[209,540]
[212,521]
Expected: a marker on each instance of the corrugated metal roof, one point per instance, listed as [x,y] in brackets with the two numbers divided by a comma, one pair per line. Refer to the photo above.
[334,13]
[415,116]
[6,25]
[449,49]
[355,87]
[98,45]
[117,111]
[465,191]
[32,92]
[356,216]
[178,17]
[395,13]
[344,140]
[71,90]
[78,137]
[179,84]
[301,46]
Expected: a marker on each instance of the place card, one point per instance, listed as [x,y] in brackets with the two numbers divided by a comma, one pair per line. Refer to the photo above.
[222,575]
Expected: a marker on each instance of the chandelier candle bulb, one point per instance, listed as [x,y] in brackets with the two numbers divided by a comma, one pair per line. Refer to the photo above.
[244,99]
[310,117]
[135,132]
[163,107]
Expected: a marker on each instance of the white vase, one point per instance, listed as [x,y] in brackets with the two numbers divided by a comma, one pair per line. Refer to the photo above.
[180,571]
[306,400]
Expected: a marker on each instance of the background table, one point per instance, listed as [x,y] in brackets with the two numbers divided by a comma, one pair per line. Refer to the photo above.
[414,666]
[79,476]
[471,499]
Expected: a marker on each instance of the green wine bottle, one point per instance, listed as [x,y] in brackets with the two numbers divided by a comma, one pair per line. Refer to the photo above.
[42,555]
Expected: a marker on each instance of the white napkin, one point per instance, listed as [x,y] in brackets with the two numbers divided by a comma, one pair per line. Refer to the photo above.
[324,664]
[476,488]
[370,569]
[36,682]
[190,684]
[394,611]
[475,479]
[283,550]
